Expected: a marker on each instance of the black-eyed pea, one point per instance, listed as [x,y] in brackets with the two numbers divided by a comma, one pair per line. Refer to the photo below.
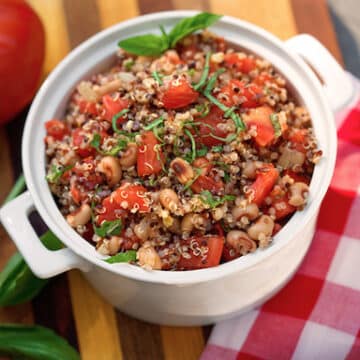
[142,229]
[219,212]
[129,157]
[251,211]
[240,241]
[182,169]
[290,158]
[81,216]
[262,229]
[298,193]
[169,199]
[114,244]
[175,227]
[111,168]
[148,257]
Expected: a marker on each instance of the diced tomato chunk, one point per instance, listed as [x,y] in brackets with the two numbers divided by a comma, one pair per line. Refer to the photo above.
[282,207]
[243,64]
[262,78]
[81,141]
[266,178]
[204,181]
[111,210]
[237,92]
[229,253]
[298,138]
[131,196]
[150,158]
[209,127]
[260,118]
[87,107]
[178,93]
[112,107]
[298,177]
[56,128]
[211,258]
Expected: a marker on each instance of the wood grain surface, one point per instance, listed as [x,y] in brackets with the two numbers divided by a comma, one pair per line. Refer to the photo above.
[68,304]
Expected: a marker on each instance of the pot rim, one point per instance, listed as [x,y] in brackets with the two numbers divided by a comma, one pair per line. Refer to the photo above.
[70,238]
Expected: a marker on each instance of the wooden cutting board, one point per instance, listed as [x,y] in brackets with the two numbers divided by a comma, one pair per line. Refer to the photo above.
[68,304]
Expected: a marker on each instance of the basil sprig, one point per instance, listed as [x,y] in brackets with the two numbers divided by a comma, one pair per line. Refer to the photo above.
[122,257]
[34,342]
[154,45]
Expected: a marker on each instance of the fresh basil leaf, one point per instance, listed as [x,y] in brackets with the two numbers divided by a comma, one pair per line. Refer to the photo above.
[276,124]
[189,25]
[207,197]
[145,45]
[122,257]
[17,282]
[34,342]
[113,227]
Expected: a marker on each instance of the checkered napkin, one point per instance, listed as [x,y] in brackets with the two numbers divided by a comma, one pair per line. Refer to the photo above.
[317,314]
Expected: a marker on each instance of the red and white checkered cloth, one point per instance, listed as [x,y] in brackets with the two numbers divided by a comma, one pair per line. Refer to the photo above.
[317,314]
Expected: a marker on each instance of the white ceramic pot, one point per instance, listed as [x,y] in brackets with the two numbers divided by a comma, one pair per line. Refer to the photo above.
[191,297]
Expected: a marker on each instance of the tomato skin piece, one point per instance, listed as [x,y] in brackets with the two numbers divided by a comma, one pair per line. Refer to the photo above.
[57,129]
[150,158]
[22,49]
[112,107]
[265,180]
[215,245]
[209,125]
[244,64]
[260,118]
[178,94]
[133,195]
[298,138]
[282,207]
[297,177]
[227,256]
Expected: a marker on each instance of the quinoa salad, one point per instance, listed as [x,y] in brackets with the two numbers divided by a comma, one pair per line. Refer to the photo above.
[183,160]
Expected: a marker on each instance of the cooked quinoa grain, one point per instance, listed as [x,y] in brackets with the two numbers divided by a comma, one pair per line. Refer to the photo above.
[191,159]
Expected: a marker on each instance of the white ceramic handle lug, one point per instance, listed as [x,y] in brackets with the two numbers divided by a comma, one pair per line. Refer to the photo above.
[337,84]
[43,262]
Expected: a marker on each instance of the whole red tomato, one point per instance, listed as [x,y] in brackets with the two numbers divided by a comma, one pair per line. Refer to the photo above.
[22,45]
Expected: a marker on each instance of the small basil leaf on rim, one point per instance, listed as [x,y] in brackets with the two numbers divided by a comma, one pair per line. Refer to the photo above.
[122,257]
[146,45]
[189,25]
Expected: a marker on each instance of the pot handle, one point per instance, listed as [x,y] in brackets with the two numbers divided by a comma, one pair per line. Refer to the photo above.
[43,262]
[337,84]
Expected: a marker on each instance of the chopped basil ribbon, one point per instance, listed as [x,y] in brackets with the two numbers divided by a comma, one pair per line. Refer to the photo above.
[205,73]
[203,109]
[276,124]
[34,342]
[154,45]
[56,172]
[193,144]
[202,152]
[122,257]
[207,197]
[96,141]
[109,228]
[154,123]
[157,77]
[218,148]
[116,117]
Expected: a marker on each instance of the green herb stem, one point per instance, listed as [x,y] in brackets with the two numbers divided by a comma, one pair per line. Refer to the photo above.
[115,119]
[157,77]
[193,144]
[154,123]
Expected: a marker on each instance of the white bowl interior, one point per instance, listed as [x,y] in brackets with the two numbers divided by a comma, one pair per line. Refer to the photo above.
[96,54]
